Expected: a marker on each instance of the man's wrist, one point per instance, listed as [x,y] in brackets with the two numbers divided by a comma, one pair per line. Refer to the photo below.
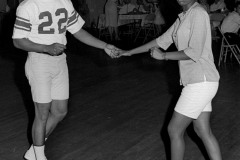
[105,45]
[44,49]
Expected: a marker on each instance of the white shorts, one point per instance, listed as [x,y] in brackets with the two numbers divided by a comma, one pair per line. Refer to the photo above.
[196,98]
[48,77]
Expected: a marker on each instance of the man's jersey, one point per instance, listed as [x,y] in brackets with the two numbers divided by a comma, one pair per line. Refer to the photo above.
[46,21]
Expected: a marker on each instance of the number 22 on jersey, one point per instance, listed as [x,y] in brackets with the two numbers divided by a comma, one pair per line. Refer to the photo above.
[43,27]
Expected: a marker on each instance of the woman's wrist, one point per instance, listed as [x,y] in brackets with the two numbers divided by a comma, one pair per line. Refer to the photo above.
[165,56]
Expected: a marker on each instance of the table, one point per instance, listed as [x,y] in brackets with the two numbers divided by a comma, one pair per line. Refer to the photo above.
[130,18]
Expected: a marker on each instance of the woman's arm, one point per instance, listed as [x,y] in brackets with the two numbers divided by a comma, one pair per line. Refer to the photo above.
[176,55]
[27,45]
[144,48]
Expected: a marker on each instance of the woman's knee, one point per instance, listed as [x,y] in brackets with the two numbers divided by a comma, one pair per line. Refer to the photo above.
[174,131]
[202,131]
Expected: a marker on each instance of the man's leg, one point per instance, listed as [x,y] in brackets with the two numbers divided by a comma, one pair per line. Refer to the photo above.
[36,151]
[39,123]
[42,128]
[57,112]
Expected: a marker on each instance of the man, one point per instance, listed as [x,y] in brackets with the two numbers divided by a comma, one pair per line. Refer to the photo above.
[40,28]
[231,24]
[217,6]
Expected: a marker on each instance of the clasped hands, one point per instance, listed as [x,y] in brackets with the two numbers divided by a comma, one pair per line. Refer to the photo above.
[115,52]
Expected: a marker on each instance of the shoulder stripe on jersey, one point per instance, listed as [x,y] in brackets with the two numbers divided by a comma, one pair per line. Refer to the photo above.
[74,21]
[24,29]
[23,24]
[23,19]
[73,17]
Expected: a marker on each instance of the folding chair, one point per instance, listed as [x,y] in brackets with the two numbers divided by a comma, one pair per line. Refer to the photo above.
[102,29]
[227,47]
[148,29]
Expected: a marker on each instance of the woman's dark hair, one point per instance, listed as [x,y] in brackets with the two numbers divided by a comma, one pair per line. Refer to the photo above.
[237,4]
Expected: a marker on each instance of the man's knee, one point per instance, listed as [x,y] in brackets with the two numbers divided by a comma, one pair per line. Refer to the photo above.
[59,109]
[60,113]
[42,111]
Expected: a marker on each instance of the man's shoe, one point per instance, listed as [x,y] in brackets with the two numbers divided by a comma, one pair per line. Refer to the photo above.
[30,154]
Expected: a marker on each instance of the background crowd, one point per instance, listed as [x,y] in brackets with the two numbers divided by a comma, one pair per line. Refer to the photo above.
[166,12]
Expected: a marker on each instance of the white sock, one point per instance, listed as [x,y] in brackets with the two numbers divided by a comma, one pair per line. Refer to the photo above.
[39,152]
[31,148]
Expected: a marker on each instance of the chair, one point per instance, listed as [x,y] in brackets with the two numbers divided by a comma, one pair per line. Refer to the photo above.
[127,30]
[102,29]
[228,48]
[148,29]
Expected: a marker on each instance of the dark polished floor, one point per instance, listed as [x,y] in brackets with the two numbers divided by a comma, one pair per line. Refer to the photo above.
[118,108]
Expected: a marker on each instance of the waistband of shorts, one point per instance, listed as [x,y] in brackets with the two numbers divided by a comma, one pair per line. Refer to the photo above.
[46,56]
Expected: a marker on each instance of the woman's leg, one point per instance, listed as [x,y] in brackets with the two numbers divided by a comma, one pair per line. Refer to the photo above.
[176,130]
[116,33]
[203,130]
[110,29]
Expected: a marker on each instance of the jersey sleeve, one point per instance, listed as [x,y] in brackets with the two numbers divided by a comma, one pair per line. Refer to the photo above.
[22,26]
[75,21]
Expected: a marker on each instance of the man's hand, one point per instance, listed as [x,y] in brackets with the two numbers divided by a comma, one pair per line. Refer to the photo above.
[112,51]
[55,49]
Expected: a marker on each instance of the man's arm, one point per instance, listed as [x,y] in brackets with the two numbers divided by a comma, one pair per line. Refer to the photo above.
[88,39]
[27,45]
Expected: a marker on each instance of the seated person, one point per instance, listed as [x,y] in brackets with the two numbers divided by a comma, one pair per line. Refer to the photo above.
[129,6]
[144,6]
[4,6]
[231,24]
[217,6]
[205,5]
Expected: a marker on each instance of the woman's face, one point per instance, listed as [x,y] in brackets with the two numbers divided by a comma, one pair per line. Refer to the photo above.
[185,3]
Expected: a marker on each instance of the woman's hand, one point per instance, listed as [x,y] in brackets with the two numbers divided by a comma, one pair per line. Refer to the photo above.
[125,53]
[157,54]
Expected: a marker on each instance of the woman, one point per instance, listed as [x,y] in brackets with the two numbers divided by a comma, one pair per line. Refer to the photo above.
[112,19]
[191,34]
